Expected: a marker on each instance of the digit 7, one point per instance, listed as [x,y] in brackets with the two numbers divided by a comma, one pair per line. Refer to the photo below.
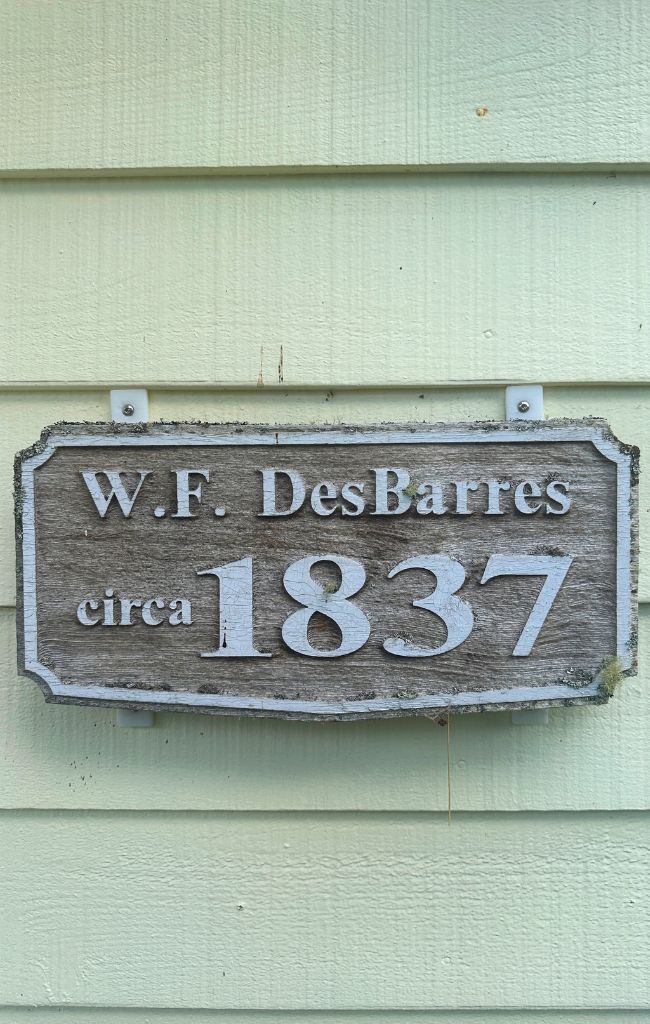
[553,567]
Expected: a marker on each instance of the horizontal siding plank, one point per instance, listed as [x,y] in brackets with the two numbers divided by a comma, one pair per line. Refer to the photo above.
[254,83]
[67,757]
[142,1015]
[24,414]
[397,281]
[324,911]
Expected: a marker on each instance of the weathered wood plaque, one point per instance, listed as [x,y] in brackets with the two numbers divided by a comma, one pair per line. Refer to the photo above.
[327,573]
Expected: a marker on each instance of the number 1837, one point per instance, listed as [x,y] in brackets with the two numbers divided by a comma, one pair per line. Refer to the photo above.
[335,602]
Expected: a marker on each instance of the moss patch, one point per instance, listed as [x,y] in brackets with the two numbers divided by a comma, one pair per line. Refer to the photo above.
[611,675]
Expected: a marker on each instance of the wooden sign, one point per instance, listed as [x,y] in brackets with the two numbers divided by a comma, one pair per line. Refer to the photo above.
[334,573]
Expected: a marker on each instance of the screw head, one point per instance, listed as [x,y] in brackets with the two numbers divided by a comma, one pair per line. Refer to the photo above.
[523,406]
[128,409]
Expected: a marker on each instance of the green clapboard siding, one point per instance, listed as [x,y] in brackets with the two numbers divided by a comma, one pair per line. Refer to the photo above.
[89,1015]
[66,757]
[355,281]
[354,911]
[222,210]
[258,83]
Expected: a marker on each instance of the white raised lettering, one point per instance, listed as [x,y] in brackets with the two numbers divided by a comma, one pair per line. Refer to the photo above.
[126,607]
[456,614]
[325,491]
[560,496]
[147,614]
[269,497]
[554,567]
[463,487]
[494,495]
[432,501]
[300,585]
[383,489]
[181,612]
[235,610]
[525,490]
[351,492]
[82,613]
[109,616]
[184,492]
[118,490]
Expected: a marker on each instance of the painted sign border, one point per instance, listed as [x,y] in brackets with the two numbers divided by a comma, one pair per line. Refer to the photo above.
[103,435]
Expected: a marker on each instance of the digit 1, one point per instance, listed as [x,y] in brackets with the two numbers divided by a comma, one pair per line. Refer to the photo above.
[235,610]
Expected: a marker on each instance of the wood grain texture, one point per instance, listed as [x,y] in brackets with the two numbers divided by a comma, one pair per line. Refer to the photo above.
[585,759]
[70,554]
[23,415]
[313,282]
[256,84]
[312,911]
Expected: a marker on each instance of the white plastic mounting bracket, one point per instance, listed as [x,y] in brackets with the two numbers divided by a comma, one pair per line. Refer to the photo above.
[131,405]
[526,402]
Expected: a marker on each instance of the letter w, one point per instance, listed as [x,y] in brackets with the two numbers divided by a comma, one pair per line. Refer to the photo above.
[118,490]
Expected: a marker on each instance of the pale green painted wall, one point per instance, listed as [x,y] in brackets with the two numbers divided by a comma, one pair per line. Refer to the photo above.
[258,872]
[329,83]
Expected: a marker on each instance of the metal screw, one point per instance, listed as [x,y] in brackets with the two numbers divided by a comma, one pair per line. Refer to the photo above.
[128,409]
[523,406]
